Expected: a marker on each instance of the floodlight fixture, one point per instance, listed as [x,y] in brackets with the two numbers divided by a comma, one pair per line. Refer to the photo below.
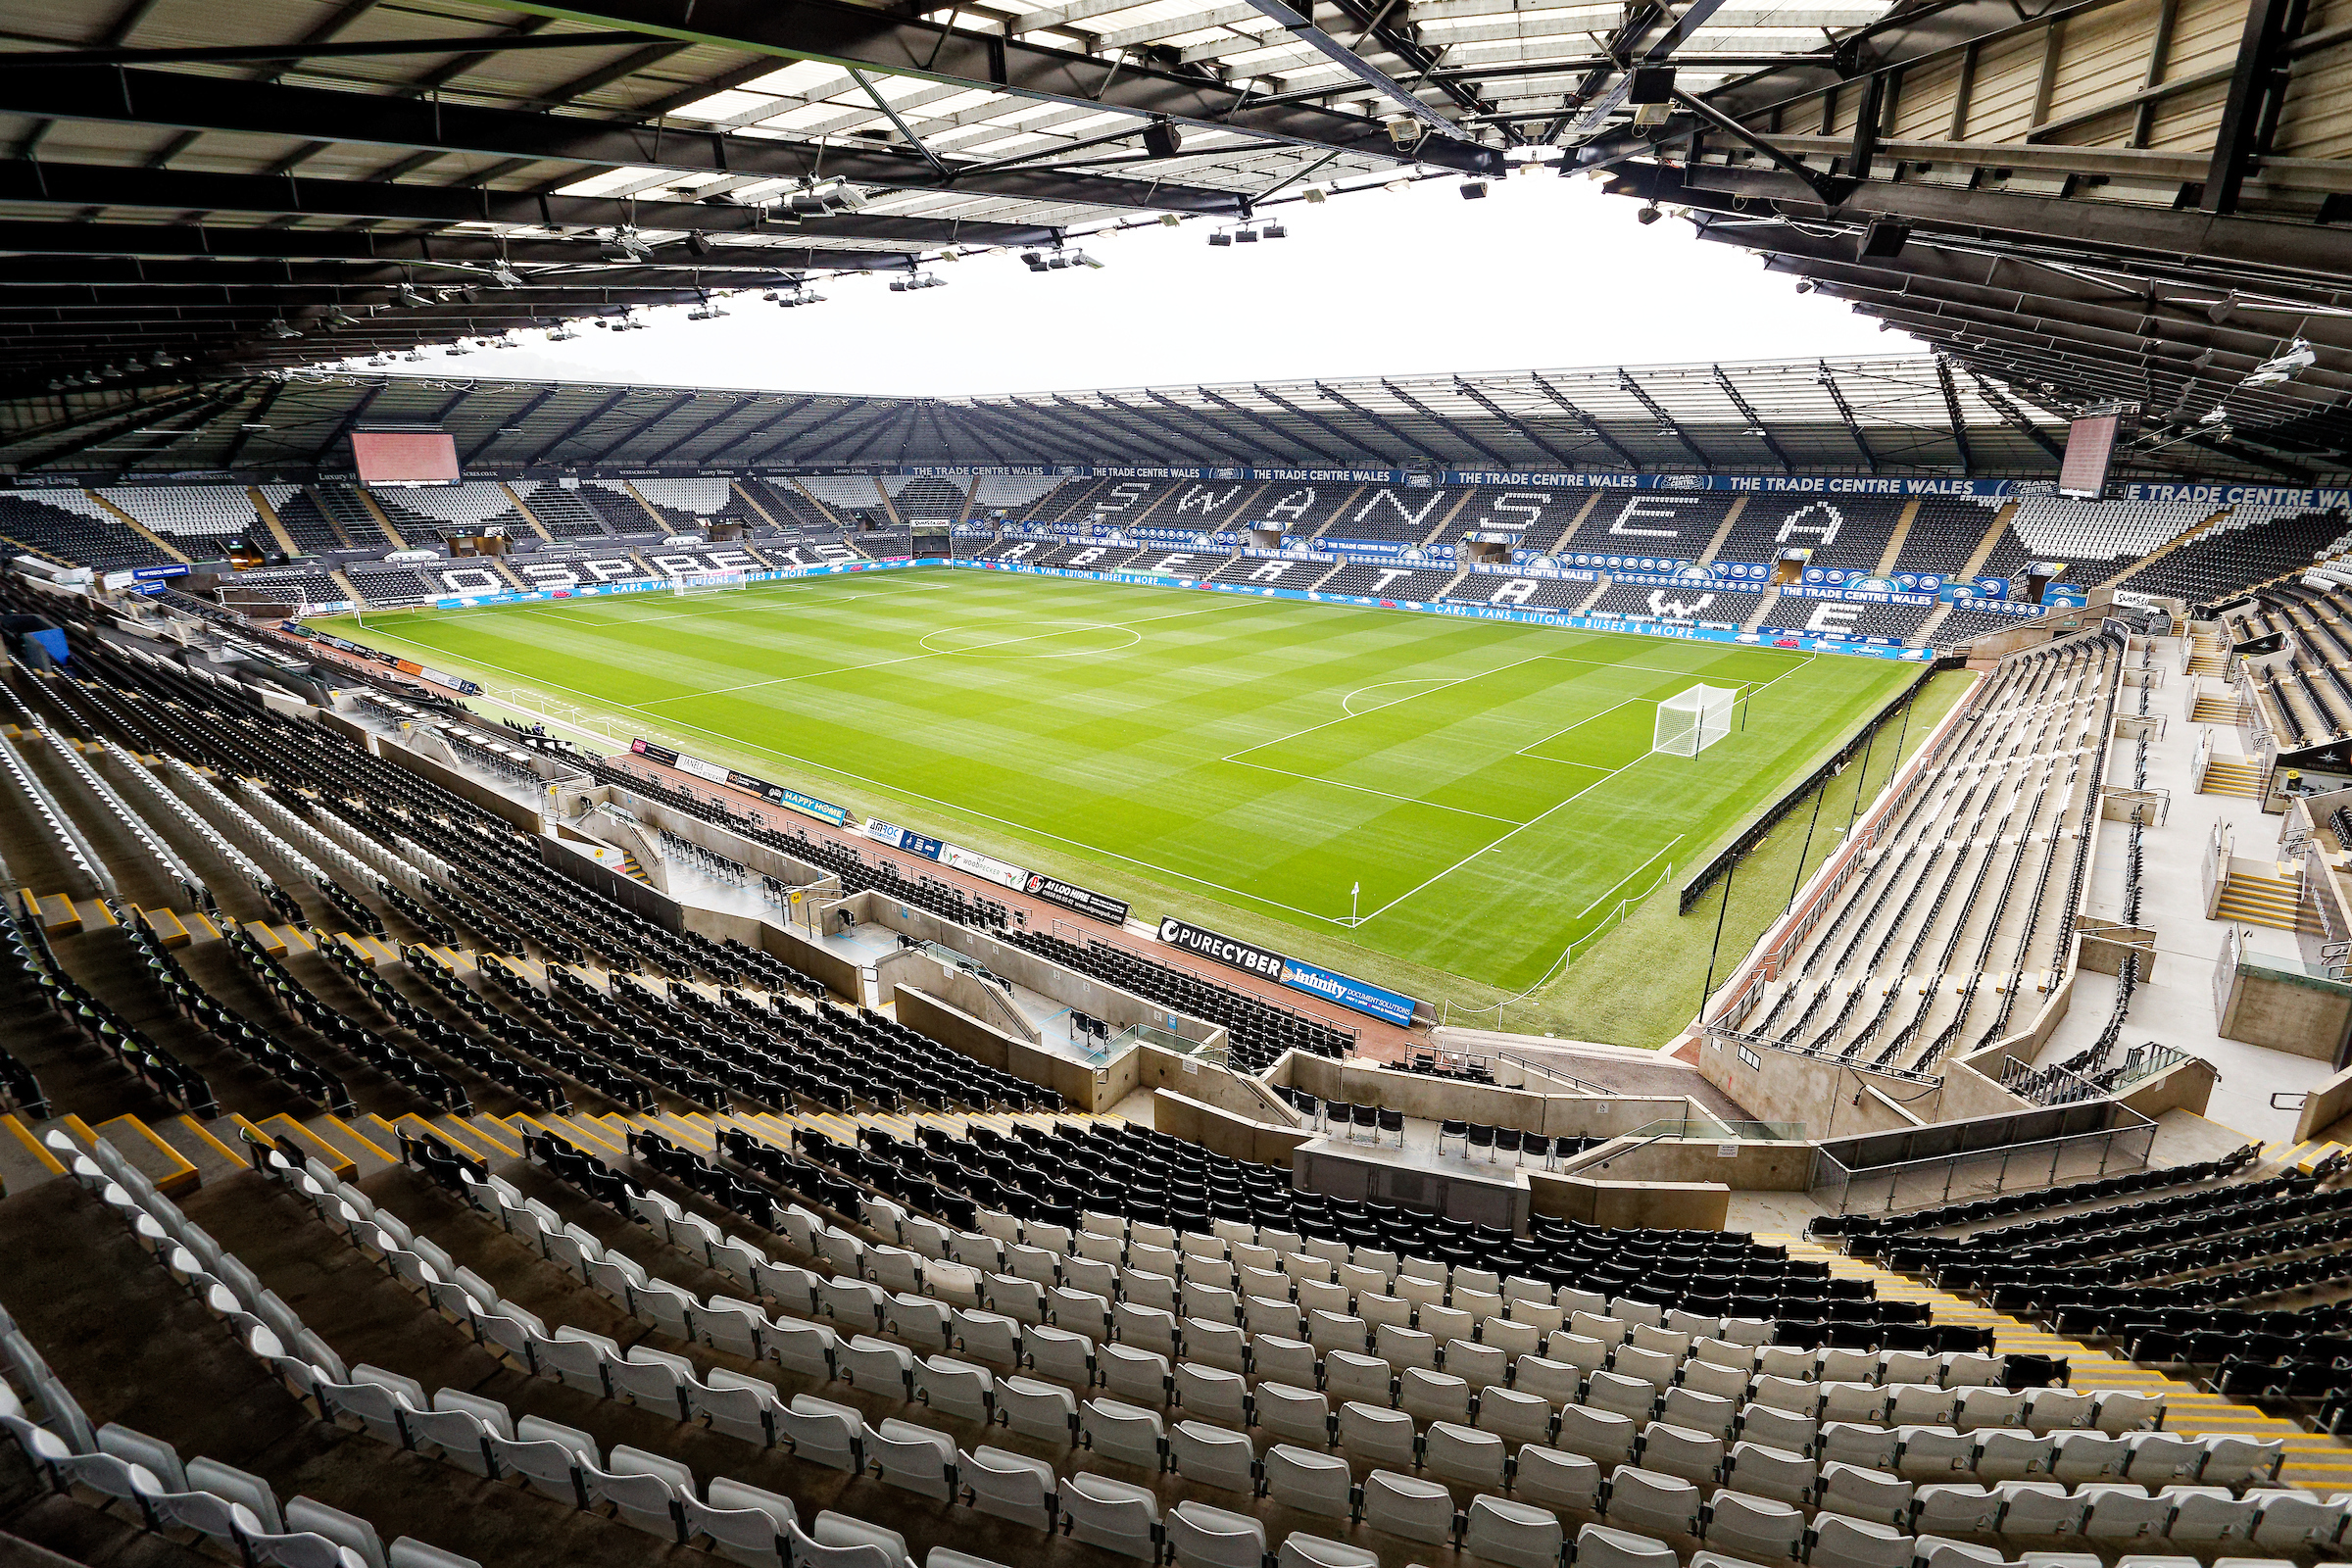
[280,327]
[1648,214]
[408,298]
[1474,190]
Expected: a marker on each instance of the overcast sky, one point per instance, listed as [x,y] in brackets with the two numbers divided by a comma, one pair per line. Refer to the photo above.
[1543,272]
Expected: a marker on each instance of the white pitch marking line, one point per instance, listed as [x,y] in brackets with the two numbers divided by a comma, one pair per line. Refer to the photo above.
[1366,789]
[1629,875]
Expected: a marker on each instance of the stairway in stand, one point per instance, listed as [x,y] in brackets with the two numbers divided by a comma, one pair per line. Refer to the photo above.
[2205,657]
[2313,1459]
[2225,777]
[2252,899]
[2226,709]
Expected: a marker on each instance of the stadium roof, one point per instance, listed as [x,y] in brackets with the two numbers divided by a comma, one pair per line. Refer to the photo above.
[1882,415]
[2102,201]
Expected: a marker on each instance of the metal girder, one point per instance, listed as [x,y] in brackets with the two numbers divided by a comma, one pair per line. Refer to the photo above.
[908,45]
[795,406]
[1248,457]
[665,450]
[1637,40]
[889,413]
[1254,417]
[261,409]
[603,408]
[1527,432]
[1755,420]
[311,49]
[356,283]
[350,421]
[980,414]
[1951,408]
[2257,75]
[202,401]
[1302,25]
[1853,427]
[314,114]
[1590,424]
[1443,423]
[87,417]
[1407,446]
[1169,428]
[1055,419]
[868,434]
[1362,452]
[2015,418]
[87,185]
[833,417]
[1673,425]
[604,454]
[528,409]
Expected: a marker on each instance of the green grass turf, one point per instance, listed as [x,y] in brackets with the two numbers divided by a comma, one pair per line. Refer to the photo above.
[1243,762]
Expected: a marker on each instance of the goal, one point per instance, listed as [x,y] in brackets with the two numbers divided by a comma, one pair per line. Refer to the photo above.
[706,582]
[1690,722]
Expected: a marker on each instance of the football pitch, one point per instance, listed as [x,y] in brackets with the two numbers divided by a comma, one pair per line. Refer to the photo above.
[1394,792]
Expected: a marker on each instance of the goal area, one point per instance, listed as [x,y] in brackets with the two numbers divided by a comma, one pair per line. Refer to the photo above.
[1691,720]
[707,582]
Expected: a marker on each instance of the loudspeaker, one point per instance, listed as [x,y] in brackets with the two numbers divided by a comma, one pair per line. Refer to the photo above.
[1161,138]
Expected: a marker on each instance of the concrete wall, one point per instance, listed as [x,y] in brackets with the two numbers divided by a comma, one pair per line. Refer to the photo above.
[724,841]
[1230,1092]
[1664,1205]
[463,785]
[957,987]
[2183,1085]
[1439,1098]
[1082,1086]
[2302,1015]
[1820,1095]
[2326,1106]
[1752,1165]
[1221,1132]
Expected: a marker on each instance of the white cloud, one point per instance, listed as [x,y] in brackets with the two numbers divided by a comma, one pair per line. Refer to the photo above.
[1543,272]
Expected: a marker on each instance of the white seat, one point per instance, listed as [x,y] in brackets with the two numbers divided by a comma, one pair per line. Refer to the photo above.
[2124,1512]
[2161,1458]
[1618,1394]
[1931,1453]
[1757,1528]
[955,1387]
[1933,1552]
[2039,1508]
[1990,1407]
[877,1366]
[1853,1402]
[839,1532]
[730,1325]
[1921,1404]
[1300,1415]
[1284,1360]
[644,1489]
[1969,1509]
[1125,1432]
[1516,1534]
[1059,1355]
[1837,1541]
[1432,1396]
[407,1551]
[2211,1513]
[1112,1514]
[1009,1485]
[1353,1375]
[1403,1348]
[921,1321]
[1407,1507]
[1202,1536]
[1580,1350]
[809,1349]
[1509,1338]
[1762,1471]
[1310,1481]
[373,1397]
[1552,1381]
[854,1304]
[1865,1493]
[1140,1376]
[1038,1409]
[2292,1517]
[1968,1369]
[2008,1454]
[1464,1454]
[2119,1411]
[251,1491]
[913,1458]
[575,1357]
[1653,1501]
[1212,1457]
[1600,1547]
[738,1404]
[1298,1550]
[1680,1451]
[1869,1448]
[1706,1377]
[1779,1429]
[1219,1344]
[306,1515]
[987,1337]
[744,1523]
[1376,1435]
[2234,1461]
[1558,1479]
[546,1456]
[1602,1436]
[1514,1416]
[2059,1409]
[1212,1393]
[823,1433]
[2089,1456]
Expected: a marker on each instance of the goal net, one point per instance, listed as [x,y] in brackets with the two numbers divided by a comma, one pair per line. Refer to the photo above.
[1690,722]
[706,582]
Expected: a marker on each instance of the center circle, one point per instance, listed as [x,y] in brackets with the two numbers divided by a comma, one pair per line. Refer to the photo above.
[1075,639]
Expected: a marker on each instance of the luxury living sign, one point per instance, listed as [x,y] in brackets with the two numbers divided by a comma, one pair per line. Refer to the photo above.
[1358,995]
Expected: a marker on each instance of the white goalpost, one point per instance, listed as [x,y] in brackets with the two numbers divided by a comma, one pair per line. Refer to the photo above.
[1690,722]
[706,582]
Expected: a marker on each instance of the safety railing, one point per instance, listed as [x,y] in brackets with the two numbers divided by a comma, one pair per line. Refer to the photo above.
[2122,1145]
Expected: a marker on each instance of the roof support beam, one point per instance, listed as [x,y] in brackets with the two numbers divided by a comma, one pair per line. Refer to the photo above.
[2015,417]
[1087,438]
[791,408]
[154,414]
[1255,451]
[314,114]
[603,408]
[987,418]
[1755,420]
[1362,453]
[902,45]
[1666,421]
[1951,408]
[863,428]
[350,421]
[1444,424]
[1197,438]
[1527,432]
[707,425]
[1407,447]
[605,454]
[1853,427]
[848,406]
[1591,425]
[895,414]
[516,419]
[1253,420]
[245,433]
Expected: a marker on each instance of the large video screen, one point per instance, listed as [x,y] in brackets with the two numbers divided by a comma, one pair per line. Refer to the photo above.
[405,457]
[2089,447]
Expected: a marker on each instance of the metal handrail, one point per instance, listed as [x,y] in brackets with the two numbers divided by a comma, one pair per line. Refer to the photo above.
[1548,1071]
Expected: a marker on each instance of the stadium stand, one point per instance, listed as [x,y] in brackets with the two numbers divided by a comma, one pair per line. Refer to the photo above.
[305,522]
[563,514]
[1671,524]
[1833,616]
[423,513]
[300,587]
[1081,556]
[350,511]
[687,504]
[201,520]
[1847,532]
[1711,605]
[1016,495]
[930,498]
[1537,516]
[1527,593]
[851,498]
[1371,581]
[1962,623]
[791,506]
[1944,535]
[1267,571]
[1392,512]
[2249,545]
[390,585]
[67,525]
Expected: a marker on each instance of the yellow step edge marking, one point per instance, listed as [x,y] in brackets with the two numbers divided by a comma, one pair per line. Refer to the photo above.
[418,1124]
[572,1129]
[77,1127]
[365,1142]
[483,1136]
[206,1132]
[182,1177]
[32,1144]
[342,1164]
